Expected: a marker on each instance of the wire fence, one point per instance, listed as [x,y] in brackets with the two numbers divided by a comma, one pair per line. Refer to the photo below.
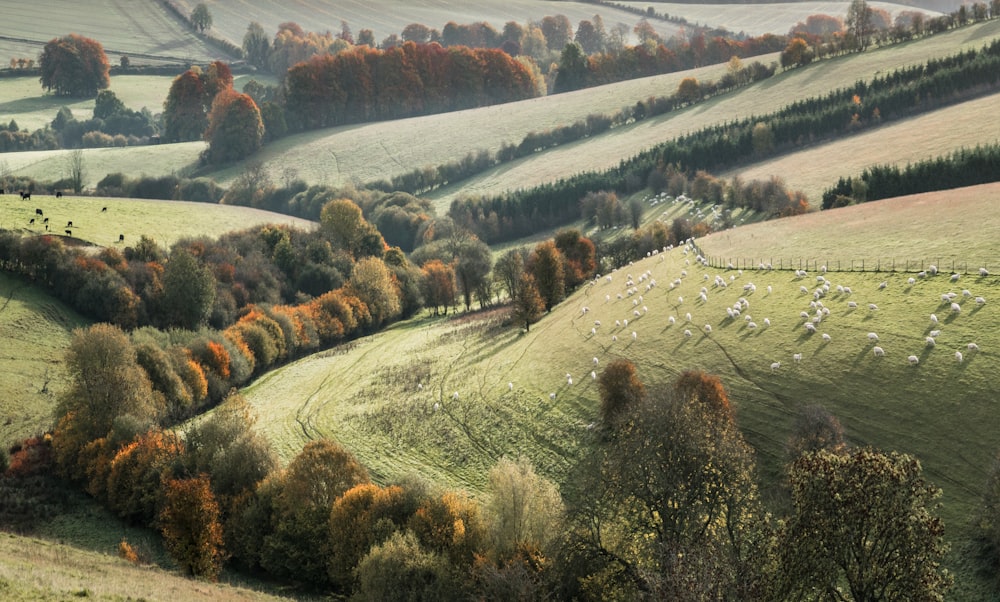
[952,266]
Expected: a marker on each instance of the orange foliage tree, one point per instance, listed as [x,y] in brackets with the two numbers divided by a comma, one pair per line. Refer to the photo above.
[134,485]
[74,66]
[190,525]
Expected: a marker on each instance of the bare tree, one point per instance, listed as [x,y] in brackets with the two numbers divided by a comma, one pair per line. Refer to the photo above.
[75,166]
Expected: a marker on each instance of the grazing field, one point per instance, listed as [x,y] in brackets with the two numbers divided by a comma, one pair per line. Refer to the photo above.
[164,221]
[36,569]
[145,31]
[432,396]
[926,136]
[958,225]
[760,18]
[386,17]
[35,330]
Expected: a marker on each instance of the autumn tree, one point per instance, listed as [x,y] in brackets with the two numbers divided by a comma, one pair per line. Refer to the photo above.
[403,569]
[374,284]
[188,290]
[256,45]
[438,285]
[528,306]
[74,66]
[185,111]
[796,54]
[201,17]
[862,521]
[342,223]
[190,525]
[108,391]
[816,429]
[591,36]
[546,265]
[299,544]
[668,508]
[689,90]
[523,509]
[235,129]
[558,31]
[620,390]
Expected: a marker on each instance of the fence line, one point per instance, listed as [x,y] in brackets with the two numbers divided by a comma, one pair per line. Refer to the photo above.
[892,265]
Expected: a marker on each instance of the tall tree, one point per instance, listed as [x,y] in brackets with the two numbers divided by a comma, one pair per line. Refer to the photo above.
[859,25]
[546,265]
[558,31]
[863,520]
[373,283]
[528,306]
[438,285]
[190,525]
[256,45]
[201,17]
[188,290]
[572,74]
[235,128]
[74,66]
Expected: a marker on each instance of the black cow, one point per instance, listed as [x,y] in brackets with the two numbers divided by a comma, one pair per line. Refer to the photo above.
[45,221]
[121,238]
[69,233]
[31,221]
[104,209]
[38,212]
[25,196]
[69,224]
[59,194]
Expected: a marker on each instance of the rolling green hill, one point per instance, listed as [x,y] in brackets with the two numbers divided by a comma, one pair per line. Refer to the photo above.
[446,398]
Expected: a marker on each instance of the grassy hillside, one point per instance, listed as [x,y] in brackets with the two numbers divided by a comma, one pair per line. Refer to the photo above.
[432,396]
[385,17]
[933,134]
[35,330]
[759,18]
[163,221]
[35,569]
[144,28]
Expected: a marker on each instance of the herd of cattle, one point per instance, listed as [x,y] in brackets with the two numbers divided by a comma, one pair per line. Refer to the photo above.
[40,214]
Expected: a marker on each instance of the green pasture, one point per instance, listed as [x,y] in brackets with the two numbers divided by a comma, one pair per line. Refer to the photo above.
[144,28]
[35,330]
[166,222]
[759,18]
[386,17]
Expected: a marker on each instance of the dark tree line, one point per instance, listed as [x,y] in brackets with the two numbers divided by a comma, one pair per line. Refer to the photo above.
[892,96]
[964,167]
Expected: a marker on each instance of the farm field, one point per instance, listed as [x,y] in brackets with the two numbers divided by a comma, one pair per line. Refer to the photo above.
[605,151]
[35,330]
[164,221]
[36,569]
[432,396]
[385,17]
[760,18]
[135,29]
[956,227]
[814,169]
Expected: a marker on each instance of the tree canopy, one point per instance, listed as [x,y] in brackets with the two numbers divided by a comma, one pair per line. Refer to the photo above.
[74,65]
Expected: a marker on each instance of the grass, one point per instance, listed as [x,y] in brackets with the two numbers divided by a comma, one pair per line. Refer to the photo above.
[122,28]
[385,17]
[164,221]
[926,136]
[35,330]
[39,569]
[759,18]
[390,399]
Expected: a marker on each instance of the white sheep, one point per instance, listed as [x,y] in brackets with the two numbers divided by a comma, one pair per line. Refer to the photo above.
[510,386]
[804,290]
[872,307]
[956,308]
[797,357]
[596,361]
[914,360]
[614,338]
[455,395]
[932,269]
[671,320]
[922,274]
[882,285]
[852,304]
[980,301]
[552,395]
[911,280]
[804,315]
[934,333]
[955,277]
[958,357]
[966,293]
[984,272]
[752,325]
[872,337]
[593,375]
[593,331]
[597,322]
[687,317]
[930,341]
[810,327]
[826,338]
[769,289]
[687,333]
[634,335]
[934,319]
[748,318]
[636,313]
[767,321]
[625,322]
[972,347]
[775,366]
[708,328]
[680,300]
[878,351]
[569,380]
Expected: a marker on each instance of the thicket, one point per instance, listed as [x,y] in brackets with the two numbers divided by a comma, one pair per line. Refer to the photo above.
[865,104]
[964,167]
